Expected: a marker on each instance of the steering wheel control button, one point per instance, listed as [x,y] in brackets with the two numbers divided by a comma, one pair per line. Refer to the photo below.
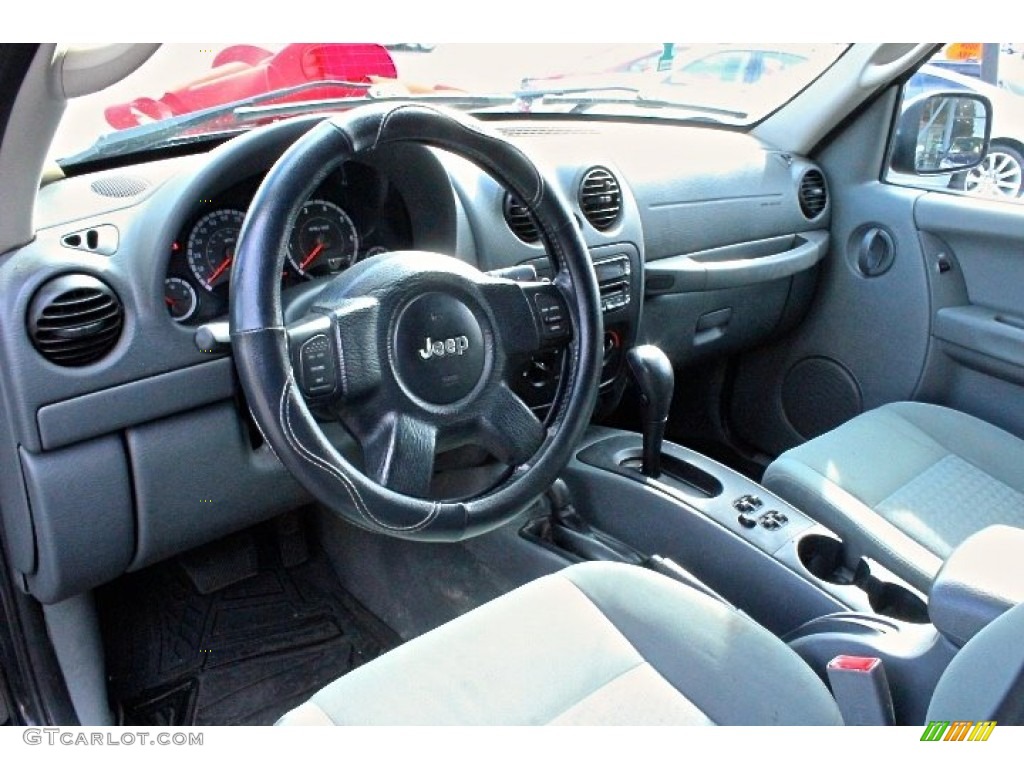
[554,317]
[439,348]
[317,366]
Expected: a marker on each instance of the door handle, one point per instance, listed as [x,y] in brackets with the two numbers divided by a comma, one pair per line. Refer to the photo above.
[877,252]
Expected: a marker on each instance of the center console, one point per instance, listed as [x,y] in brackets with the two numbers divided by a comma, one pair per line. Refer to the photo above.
[639,499]
[764,557]
[760,553]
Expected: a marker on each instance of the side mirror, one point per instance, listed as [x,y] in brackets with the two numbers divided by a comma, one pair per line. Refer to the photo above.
[942,133]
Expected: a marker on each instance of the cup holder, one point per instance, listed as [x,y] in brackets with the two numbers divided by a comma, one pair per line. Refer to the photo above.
[894,601]
[823,556]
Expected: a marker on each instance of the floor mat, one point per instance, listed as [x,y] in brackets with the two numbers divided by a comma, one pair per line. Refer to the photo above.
[244,654]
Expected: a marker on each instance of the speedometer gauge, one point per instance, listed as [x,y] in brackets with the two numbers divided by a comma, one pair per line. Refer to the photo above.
[211,246]
[324,240]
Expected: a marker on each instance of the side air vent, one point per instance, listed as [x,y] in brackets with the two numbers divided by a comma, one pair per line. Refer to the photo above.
[813,194]
[120,186]
[75,320]
[519,219]
[600,198]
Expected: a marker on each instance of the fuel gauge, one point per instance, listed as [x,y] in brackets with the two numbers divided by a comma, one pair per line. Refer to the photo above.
[180,298]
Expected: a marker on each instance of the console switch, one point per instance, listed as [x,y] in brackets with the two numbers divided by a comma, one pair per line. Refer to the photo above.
[747,520]
[772,520]
[317,366]
[747,503]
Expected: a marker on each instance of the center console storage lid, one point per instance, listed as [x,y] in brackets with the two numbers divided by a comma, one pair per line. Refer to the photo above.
[981,579]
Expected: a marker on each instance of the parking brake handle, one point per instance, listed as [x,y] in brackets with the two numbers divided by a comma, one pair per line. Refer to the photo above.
[652,373]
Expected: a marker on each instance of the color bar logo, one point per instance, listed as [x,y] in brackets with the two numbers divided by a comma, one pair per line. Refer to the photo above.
[958,730]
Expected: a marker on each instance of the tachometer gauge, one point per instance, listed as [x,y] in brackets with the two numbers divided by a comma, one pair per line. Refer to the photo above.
[180,298]
[211,246]
[324,240]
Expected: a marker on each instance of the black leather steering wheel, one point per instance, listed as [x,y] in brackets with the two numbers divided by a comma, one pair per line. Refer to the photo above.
[410,350]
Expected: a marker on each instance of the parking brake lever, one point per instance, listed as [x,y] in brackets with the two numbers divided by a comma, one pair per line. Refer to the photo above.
[569,531]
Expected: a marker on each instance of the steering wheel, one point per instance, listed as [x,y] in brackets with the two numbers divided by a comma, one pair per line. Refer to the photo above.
[411,349]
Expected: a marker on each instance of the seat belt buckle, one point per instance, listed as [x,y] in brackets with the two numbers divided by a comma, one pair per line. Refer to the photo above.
[861,690]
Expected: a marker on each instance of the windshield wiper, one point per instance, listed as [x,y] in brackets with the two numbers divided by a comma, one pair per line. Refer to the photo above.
[583,98]
[153,134]
[252,108]
[453,98]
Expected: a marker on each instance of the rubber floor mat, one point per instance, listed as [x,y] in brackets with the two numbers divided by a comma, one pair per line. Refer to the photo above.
[243,655]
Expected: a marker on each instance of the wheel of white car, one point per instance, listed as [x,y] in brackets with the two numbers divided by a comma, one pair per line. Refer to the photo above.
[1000,174]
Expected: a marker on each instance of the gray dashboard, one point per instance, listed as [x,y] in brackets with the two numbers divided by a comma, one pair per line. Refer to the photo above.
[149,450]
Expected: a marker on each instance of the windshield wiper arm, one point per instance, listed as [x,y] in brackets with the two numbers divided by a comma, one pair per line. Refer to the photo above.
[246,113]
[143,136]
[577,96]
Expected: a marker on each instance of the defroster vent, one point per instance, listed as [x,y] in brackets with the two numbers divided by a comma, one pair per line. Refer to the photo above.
[75,320]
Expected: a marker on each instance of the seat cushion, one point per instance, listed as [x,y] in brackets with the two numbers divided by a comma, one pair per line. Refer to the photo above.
[595,644]
[906,483]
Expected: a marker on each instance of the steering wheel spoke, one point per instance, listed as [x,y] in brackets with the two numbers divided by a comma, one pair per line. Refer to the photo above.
[399,454]
[509,428]
[333,354]
[535,314]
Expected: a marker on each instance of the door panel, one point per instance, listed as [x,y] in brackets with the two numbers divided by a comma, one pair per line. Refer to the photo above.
[976,363]
[987,238]
[943,323]
[864,341]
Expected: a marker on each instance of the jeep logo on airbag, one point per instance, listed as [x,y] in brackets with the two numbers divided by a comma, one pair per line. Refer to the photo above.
[455,346]
[439,349]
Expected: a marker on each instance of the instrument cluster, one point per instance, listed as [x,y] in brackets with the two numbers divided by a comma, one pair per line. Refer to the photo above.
[355,214]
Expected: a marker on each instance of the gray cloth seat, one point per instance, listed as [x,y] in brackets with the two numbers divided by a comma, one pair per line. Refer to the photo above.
[611,644]
[905,483]
[596,643]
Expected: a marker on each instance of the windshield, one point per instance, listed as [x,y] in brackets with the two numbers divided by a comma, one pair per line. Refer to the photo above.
[190,91]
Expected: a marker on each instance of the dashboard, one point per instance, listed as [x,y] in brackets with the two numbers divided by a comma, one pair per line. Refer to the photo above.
[131,441]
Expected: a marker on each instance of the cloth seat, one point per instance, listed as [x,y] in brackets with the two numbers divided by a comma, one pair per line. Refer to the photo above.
[613,644]
[596,643]
[905,483]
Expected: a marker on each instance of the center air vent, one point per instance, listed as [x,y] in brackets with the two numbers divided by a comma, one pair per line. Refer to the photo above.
[813,194]
[600,198]
[519,220]
[75,320]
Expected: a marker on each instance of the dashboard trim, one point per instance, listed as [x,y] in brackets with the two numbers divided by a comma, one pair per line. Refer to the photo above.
[116,408]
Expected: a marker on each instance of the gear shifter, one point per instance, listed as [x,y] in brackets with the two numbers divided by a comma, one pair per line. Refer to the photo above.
[652,372]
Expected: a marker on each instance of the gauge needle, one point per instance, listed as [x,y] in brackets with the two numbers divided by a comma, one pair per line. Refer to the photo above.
[169,301]
[312,256]
[220,269]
